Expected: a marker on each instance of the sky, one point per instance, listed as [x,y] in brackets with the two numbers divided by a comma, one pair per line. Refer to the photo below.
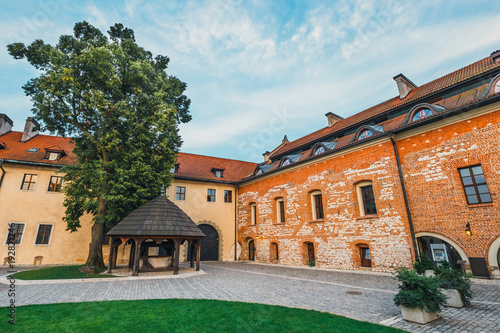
[258,70]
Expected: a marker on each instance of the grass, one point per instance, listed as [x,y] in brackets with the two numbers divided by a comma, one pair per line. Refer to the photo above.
[180,315]
[59,272]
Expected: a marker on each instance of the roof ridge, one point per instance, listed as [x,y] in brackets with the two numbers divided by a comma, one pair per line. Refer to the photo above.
[222,158]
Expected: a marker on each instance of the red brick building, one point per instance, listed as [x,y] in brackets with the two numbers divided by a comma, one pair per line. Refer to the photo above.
[417,173]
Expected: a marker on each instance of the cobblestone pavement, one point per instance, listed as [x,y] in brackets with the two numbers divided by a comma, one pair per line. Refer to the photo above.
[359,295]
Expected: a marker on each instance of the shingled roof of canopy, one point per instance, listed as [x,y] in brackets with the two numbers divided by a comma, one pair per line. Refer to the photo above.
[158,217]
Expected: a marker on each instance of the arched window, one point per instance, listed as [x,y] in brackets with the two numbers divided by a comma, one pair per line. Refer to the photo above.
[365,134]
[319,150]
[421,114]
[286,161]
[259,172]
[497,87]
[317,205]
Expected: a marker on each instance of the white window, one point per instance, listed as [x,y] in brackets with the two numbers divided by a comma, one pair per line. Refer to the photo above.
[366,198]
[253,213]
[43,234]
[15,233]
[53,156]
[317,205]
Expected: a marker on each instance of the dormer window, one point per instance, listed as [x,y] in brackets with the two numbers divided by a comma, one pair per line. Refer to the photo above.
[3,145]
[259,172]
[286,161]
[218,172]
[365,134]
[319,150]
[53,153]
[175,168]
[421,114]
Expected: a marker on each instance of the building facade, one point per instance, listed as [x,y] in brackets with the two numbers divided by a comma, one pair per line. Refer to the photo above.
[419,173]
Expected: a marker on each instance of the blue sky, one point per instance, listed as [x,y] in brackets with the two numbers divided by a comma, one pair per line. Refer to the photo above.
[257,70]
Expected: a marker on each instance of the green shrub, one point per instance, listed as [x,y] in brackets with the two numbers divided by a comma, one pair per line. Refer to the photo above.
[449,278]
[418,291]
[312,263]
[423,264]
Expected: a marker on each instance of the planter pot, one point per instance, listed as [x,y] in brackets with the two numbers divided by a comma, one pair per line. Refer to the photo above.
[453,298]
[429,273]
[418,316]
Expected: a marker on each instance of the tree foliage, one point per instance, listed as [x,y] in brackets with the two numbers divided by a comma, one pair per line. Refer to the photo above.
[122,110]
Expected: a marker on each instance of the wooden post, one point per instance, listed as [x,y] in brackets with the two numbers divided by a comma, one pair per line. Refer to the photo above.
[131,256]
[191,248]
[177,244]
[137,257]
[198,251]
[111,253]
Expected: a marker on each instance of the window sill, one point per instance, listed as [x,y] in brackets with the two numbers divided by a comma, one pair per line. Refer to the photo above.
[251,225]
[367,217]
[279,223]
[489,204]
[317,221]
[41,245]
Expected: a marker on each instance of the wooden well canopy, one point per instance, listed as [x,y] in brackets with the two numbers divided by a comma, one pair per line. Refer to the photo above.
[166,225]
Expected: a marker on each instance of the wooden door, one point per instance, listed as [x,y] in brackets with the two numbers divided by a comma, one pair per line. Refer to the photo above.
[251,250]
[209,243]
[310,253]
[365,257]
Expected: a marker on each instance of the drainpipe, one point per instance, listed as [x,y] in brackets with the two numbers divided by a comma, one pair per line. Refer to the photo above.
[3,171]
[407,204]
[235,222]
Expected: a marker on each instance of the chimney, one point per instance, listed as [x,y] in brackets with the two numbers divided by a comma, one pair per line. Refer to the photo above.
[495,56]
[404,85]
[5,124]
[285,140]
[31,129]
[266,156]
[332,118]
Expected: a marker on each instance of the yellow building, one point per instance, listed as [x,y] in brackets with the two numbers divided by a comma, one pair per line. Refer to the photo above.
[30,201]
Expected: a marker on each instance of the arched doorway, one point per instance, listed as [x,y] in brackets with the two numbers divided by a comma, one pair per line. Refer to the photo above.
[438,249]
[251,250]
[209,243]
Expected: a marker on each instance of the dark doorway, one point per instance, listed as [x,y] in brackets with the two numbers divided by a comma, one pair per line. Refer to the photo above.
[311,260]
[209,243]
[251,250]
[366,260]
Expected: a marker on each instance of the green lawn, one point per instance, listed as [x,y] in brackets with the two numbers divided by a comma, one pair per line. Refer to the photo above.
[179,315]
[59,272]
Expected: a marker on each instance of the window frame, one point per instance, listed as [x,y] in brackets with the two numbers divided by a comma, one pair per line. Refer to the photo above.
[280,210]
[314,205]
[474,185]
[56,183]
[23,181]
[361,201]
[253,213]
[22,234]
[50,234]
[179,193]
[210,195]
[228,194]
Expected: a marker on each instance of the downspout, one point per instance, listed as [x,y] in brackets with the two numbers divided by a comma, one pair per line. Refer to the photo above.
[235,222]
[407,204]
[3,171]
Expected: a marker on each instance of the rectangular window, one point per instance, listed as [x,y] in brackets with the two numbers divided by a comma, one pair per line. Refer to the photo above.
[180,193]
[281,211]
[318,206]
[253,213]
[15,233]
[29,182]
[211,195]
[228,196]
[55,184]
[43,235]
[475,187]
[368,200]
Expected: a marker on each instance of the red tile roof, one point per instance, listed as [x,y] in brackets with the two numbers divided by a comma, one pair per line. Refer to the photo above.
[18,151]
[200,166]
[475,69]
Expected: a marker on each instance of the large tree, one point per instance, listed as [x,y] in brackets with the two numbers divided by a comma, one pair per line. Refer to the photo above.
[122,110]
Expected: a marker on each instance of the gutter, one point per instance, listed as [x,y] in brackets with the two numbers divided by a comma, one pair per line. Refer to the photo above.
[3,171]
[205,180]
[33,163]
[407,203]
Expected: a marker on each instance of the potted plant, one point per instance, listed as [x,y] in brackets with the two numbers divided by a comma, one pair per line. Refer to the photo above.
[418,296]
[454,284]
[424,265]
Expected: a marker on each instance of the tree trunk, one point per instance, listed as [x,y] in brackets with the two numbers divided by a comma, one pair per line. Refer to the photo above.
[95,246]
